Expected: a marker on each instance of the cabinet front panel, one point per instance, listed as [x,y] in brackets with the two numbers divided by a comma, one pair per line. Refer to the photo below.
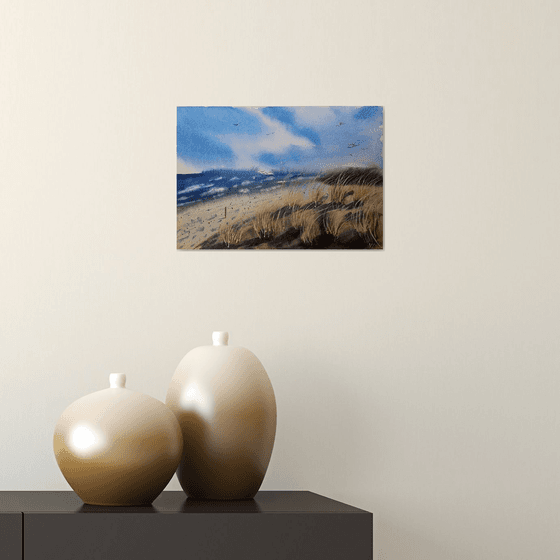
[11,535]
[157,536]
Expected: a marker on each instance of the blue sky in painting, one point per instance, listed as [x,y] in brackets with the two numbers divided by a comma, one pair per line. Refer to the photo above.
[274,138]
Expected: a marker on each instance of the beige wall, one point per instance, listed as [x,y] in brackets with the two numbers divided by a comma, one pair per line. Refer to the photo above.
[420,383]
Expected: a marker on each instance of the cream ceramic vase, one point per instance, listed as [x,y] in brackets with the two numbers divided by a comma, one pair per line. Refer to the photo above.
[117,447]
[225,405]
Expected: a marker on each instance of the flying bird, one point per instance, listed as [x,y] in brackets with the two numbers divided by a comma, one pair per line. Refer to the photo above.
[340,124]
[235,124]
[353,145]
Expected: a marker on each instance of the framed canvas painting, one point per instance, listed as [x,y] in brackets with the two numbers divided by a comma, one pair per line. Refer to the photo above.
[279,178]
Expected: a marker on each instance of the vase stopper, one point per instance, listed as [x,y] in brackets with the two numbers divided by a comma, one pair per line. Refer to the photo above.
[117,380]
[220,338]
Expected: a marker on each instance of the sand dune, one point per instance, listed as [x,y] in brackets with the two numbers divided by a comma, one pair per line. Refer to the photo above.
[197,222]
[341,210]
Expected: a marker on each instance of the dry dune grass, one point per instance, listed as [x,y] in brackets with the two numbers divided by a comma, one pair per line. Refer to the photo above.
[337,193]
[233,233]
[294,199]
[369,218]
[307,221]
[374,202]
[266,222]
[335,214]
[331,211]
[372,175]
[367,224]
[359,193]
[229,234]
[336,222]
[317,195]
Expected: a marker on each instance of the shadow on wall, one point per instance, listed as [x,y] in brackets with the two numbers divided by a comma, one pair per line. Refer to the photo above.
[329,427]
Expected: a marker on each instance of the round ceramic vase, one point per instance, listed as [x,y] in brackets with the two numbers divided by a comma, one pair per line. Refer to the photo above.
[118,447]
[225,405]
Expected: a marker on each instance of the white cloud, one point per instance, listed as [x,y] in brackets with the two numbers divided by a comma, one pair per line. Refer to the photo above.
[318,117]
[184,168]
[314,116]
[275,138]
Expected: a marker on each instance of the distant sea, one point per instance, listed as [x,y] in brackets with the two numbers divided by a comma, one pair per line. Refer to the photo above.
[214,184]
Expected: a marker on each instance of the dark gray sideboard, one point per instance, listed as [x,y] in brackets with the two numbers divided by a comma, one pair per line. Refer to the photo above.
[279,525]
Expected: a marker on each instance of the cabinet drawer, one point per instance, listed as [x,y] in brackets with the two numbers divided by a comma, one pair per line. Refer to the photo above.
[198,536]
[11,526]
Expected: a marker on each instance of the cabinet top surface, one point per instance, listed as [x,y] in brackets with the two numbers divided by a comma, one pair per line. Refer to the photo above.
[177,502]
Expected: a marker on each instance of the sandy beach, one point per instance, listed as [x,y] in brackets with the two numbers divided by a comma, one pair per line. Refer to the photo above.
[342,210]
[199,221]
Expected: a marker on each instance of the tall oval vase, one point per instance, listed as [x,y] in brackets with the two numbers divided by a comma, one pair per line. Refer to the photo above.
[224,402]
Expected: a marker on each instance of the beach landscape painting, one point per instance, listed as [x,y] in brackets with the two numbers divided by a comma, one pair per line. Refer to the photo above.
[280,178]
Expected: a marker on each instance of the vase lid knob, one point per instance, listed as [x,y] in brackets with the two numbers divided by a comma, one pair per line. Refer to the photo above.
[220,338]
[117,380]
